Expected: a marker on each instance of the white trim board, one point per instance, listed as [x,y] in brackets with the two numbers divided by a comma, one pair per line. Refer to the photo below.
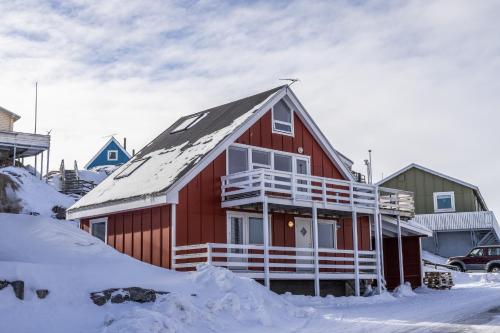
[112,139]
[435,173]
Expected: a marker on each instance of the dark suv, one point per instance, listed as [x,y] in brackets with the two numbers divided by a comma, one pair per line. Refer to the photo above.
[485,258]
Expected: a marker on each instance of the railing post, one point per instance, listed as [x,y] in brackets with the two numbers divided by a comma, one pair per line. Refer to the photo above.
[14,157]
[356,250]
[351,194]
[265,225]
[323,183]
[209,253]
[294,189]
[173,222]
[316,249]
[262,177]
[377,243]
[400,254]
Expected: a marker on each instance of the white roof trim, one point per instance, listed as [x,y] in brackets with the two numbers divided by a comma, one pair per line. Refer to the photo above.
[410,225]
[112,139]
[417,166]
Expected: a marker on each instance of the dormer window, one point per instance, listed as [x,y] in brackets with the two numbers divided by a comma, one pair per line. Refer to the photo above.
[282,118]
[189,122]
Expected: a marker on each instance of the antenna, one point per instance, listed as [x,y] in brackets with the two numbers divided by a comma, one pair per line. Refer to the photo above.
[369,170]
[109,136]
[292,81]
[36,115]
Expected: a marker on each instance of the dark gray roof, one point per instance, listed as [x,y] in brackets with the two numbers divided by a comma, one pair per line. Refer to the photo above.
[171,155]
[217,118]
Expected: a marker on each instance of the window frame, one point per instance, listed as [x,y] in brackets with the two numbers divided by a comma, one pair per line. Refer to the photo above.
[272,152]
[335,231]
[113,151]
[245,216]
[278,131]
[444,210]
[100,220]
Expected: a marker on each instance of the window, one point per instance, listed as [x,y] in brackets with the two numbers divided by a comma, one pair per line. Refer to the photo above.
[99,229]
[282,118]
[327,234]
[112,155]
[129,169]
[444,202]
[261,159]
[188,122]
[246,228]
[476,253]
[494,251]
[237,159]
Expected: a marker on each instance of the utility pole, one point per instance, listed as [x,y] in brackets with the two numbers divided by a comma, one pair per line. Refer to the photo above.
[36,115]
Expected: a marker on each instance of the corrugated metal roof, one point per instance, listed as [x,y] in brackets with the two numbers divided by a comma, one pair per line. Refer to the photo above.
[458,221]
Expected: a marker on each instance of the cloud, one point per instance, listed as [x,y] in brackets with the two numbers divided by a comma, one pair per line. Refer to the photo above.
[415,81]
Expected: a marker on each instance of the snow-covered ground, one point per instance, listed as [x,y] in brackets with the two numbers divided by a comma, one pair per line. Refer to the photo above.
[55,255]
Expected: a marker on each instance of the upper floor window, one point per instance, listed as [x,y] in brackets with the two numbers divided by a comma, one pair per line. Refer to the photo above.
[282,118]
[444,202]
[112,155]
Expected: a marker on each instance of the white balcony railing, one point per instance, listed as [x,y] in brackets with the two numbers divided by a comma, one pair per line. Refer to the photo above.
[306,188]
[24,139]
[289,261]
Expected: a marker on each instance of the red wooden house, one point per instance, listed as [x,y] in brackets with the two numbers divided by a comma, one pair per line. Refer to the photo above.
[255,186]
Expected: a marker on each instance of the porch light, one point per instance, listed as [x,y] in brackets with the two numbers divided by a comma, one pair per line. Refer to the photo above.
[290,224]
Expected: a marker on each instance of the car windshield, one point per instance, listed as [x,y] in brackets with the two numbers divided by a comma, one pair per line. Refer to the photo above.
[476,253]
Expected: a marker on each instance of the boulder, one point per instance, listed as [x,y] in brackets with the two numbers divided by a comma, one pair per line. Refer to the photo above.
[42,293]
[3,284]
[120,295]
[18,287]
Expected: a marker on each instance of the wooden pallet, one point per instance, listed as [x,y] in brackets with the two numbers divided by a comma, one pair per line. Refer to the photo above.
[438,280]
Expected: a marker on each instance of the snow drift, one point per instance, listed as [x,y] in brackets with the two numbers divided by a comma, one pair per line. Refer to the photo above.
[21,192]
[70,263]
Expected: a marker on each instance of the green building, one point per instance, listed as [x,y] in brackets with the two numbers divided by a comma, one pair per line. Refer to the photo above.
[454,210]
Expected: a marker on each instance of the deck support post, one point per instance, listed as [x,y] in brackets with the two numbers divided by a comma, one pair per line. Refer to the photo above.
[265,225]
[400,254]
[381,235]
[356,250]
[14,157]
[41,166]
[317,290]
[47,168]
[377,243]
[173,224]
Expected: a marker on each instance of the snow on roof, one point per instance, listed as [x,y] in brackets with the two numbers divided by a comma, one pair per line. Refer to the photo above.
[171,155]
[12,114]
[458,221]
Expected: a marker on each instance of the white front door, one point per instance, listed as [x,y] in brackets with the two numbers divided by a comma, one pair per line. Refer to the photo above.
[303,232]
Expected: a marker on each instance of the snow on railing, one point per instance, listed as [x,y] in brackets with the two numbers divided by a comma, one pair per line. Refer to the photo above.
[282,260]
[298,187]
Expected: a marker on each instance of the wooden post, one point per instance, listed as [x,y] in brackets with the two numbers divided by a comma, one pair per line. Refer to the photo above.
[381,235]
[41,166]
[14,158]
[173,223]
[316,249]
[48,161]
[265,225]
[209,253]
[377,244]
[356,250]
[400,254]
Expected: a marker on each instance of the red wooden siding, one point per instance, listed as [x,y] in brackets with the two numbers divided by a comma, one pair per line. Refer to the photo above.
[143,234]
[411,261]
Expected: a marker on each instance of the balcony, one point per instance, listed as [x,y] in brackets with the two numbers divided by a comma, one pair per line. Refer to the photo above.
[282,262]
[23,144]
[291,189]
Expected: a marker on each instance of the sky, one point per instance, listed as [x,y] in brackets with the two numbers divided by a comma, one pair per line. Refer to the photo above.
[415,81]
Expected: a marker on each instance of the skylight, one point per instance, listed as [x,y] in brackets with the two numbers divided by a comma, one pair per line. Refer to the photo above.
[189,122]
[134,165]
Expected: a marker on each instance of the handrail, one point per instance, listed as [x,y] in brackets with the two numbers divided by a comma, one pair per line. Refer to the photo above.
[299,187]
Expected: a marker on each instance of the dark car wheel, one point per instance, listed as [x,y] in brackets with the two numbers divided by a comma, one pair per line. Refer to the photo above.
[494,269]
[460,268]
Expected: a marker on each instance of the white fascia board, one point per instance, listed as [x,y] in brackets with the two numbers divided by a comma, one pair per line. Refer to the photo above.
[222,146]
[116,208]
[318,135]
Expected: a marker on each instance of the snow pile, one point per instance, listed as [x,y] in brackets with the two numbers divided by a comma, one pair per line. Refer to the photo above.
[70,263]
[433,258]
[30,194]
[404,290]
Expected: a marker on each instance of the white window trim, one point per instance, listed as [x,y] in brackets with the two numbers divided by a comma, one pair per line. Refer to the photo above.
[272,151]
[444,210]
[246,217]
[113,151]
[277,131]
[100,220]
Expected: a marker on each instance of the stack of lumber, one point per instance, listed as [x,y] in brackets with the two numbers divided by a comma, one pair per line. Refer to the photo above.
[438,280]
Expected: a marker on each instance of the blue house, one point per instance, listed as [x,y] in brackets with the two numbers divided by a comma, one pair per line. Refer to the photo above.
[112,153]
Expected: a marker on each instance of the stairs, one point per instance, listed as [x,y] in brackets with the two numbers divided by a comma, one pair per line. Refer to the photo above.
[71,183]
